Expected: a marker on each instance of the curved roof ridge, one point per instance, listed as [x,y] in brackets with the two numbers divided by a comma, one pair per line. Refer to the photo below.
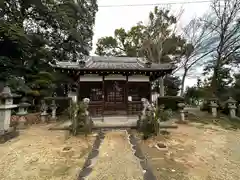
[114,59]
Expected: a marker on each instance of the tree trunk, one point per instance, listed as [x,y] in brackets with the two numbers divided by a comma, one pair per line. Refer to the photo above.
[214,83]
[161,86]
[183,82]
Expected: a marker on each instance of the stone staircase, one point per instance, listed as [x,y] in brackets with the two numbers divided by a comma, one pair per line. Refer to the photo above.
[104,122]
[115,122]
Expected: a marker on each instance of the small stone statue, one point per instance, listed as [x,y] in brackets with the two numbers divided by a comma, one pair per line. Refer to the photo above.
[88,120]
[86,102]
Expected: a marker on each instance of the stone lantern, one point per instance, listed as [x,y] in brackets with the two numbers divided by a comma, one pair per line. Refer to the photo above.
[22,111]
[23,107]
[213,105]
[6,106]
[231,103]
[182,112]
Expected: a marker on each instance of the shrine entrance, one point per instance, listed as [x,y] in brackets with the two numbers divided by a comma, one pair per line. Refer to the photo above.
[114,97]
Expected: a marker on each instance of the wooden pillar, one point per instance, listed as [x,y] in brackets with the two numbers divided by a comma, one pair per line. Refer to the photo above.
[150,91]
[78,90]
[126,94]
[103,97]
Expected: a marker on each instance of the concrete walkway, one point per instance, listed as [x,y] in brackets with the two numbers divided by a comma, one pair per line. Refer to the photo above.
[116,160]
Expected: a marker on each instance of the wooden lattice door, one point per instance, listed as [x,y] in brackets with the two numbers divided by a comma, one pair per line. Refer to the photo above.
[114,96]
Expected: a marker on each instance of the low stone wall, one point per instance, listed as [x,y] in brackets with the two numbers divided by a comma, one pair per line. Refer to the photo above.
[32,118]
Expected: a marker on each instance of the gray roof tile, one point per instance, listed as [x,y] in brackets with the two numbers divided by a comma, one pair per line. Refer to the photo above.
[121,63]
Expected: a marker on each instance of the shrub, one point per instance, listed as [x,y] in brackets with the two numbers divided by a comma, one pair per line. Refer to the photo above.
[170,102]
[81,122]
[151,122]
[150,125]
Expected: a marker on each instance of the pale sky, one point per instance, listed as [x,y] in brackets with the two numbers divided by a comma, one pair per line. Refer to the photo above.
[110,18]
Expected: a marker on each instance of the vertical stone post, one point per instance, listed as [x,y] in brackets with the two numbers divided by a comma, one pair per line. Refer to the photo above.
[182,112]
[213,105]
[54,109]
[231,103]
[44,114]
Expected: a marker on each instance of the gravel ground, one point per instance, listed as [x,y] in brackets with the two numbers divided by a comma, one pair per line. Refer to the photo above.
[196,152]
[37,154]
[116,160]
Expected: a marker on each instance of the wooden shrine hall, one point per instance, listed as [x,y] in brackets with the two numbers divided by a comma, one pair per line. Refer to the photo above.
[114,85]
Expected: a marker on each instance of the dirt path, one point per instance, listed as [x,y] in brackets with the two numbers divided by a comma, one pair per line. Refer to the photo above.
[116,160]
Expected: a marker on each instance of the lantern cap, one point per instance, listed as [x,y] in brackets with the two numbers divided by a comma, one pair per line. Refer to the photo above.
[231,100]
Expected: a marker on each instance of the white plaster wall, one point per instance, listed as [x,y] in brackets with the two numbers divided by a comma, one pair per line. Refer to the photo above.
[90,78]
[138,78]
[115,77]
[134,78]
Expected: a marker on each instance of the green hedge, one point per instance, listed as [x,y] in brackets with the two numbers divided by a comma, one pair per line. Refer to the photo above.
[170,102]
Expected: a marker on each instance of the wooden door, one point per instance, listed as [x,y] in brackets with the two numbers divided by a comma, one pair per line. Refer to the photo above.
[114,97]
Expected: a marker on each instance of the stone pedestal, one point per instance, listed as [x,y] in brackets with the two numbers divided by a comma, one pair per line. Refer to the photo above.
[232,107]
[44,117]
[54,117]
[214,106]
[22,122]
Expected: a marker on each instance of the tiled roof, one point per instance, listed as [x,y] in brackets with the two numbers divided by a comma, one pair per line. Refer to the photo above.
[101,62]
